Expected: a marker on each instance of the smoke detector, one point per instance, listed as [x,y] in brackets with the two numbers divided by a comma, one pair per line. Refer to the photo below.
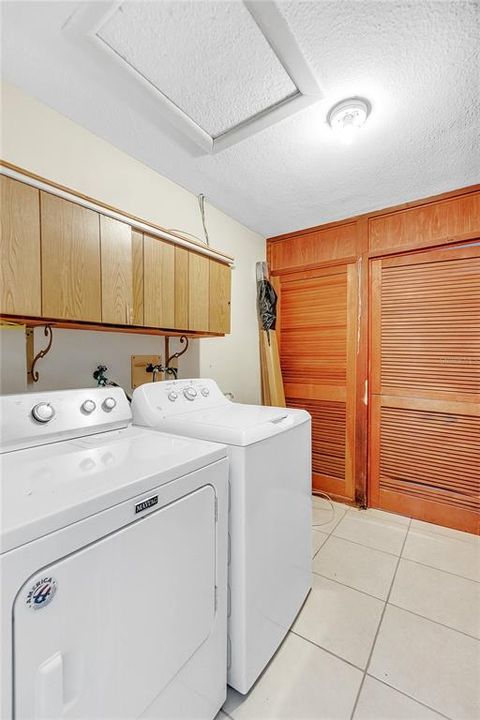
[347,117]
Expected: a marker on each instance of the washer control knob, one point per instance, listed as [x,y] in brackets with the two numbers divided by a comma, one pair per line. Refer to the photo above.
[43,412]
[190,393]
[205,392]
[109,403]
[88,406]
[172,395]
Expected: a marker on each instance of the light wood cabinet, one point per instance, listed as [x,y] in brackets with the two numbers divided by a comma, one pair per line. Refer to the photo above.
[198,292]
[181,288]
[70,260]
[117,271]
[20,249]
[158,282]
[137,252]
[61,261]
[219,297]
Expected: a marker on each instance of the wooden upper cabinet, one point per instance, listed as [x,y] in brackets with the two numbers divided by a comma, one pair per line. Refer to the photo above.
[61,261]
[219,297]
[181,288]
[137,269]
[159,283]
[117,271]
[20,292]
[198,292]
[70,260]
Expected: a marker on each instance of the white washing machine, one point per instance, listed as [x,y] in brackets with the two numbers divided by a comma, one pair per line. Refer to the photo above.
[270,509]
[113,563]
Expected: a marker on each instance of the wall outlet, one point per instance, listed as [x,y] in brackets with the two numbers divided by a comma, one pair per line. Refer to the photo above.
[139,369]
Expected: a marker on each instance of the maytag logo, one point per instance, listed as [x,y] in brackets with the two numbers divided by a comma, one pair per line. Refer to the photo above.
[145,504]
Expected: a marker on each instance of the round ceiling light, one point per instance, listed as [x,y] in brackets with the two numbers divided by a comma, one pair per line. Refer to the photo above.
[347,117]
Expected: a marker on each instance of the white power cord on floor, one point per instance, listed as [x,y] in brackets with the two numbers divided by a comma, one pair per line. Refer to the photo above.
[332,508]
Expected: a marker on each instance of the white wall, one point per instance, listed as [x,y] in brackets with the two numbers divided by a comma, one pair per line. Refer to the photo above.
[41,140]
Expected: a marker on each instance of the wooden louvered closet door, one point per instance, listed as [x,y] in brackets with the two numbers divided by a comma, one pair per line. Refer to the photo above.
[317,339]
[425,386]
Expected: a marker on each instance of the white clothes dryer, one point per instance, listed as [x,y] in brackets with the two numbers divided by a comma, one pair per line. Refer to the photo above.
[113,563]
[270,508]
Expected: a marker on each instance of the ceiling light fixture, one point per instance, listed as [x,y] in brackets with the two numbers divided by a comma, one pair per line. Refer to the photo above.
[347,117]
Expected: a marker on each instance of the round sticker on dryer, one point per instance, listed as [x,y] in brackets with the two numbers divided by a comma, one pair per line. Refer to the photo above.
[41,593]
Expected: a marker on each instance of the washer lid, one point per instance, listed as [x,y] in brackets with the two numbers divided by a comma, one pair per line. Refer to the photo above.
[46,488]
[234,424]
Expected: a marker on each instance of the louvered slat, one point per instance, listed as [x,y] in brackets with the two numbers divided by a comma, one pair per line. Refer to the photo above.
[328,435]
[431,455]
[430,326]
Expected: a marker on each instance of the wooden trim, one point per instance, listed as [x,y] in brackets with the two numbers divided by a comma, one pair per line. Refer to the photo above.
[427,394]
[432,199]
[375,288]
[361,366]
[29,178]
[73,325]
[426,255]
[304,270]
[373,488]
[351,379]
[333,496]
[430,405]
[316,392]
[450,516]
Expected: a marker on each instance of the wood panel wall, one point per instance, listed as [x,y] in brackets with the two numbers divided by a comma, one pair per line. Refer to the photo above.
[450,218]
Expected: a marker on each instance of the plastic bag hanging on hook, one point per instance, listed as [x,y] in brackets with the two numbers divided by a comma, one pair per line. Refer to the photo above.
[266,298]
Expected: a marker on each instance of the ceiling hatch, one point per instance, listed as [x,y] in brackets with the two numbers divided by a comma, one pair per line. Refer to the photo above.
[221,70]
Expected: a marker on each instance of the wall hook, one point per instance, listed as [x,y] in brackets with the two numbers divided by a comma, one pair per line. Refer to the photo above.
[48,332]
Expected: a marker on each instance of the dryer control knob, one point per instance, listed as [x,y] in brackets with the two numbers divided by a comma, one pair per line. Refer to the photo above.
[172,395]
[88,406]
[205,392]
[109,403]
[190,393]
[43,412]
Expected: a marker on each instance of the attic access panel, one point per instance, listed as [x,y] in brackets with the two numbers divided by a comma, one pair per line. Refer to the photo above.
[221,71]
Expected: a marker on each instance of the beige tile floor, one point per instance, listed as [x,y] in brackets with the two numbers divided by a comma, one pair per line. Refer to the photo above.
[390,630]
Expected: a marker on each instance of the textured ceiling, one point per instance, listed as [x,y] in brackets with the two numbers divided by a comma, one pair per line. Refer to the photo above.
[199,54]
[417,62]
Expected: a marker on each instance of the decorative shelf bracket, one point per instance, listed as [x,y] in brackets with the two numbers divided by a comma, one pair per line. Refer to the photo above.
[32,374]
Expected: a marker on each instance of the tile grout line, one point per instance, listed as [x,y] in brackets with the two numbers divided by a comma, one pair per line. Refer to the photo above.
[383,600]
[424,617]
[318,527]
[368,547]
[350,587]
[379,625]
[447,572]
[385,552]
[324,649]
[401,692]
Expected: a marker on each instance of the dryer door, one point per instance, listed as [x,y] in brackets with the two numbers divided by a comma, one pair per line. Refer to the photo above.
[101,633]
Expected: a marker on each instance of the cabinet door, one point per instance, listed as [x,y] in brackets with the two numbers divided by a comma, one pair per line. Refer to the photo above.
[70,260]
[198,293]
[181,288]
[137,250]
[159,283]
[316,321]
[425,386]
[20,249]
[219,297]
[117,271]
